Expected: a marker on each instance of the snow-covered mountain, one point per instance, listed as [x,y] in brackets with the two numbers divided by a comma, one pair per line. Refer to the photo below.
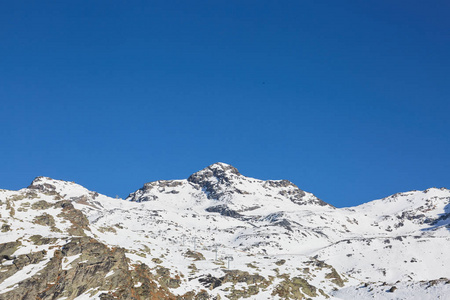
[220,235]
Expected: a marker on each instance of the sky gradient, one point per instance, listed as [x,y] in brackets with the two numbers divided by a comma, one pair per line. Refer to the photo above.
[348,100]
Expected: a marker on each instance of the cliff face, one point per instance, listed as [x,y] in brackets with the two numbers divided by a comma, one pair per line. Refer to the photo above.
[219,235]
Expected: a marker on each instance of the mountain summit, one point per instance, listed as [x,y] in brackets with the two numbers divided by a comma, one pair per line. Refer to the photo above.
[218,170]
[223,184]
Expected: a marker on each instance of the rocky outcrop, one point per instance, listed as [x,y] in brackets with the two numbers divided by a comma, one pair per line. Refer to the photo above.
[42,204]
[7,249]
[40,184]
[214,179]
[224,211]
[76,217]
[96,268]
[294,288]
[45,220]
[161,186]
[89,271]
[291,191]
[85,265]
[218,170]
[254,283]
[194,255]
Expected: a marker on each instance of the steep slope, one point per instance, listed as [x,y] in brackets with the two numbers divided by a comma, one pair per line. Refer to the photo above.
[174,239]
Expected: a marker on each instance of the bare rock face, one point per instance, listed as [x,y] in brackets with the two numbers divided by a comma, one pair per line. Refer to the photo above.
[294,288]
[96,267]
[255,283]
[7,249]
[18,262]
[291,191]
[40,184]
[214,179]
[85,265]
[89,273]
[224,211]
[144,193]
[220,171]
[76,217]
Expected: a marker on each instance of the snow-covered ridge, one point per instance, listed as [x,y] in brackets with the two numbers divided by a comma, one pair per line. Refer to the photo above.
[272,229]
[223,184]
[64,188]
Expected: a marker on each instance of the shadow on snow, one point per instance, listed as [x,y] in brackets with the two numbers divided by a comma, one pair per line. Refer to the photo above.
[442,220]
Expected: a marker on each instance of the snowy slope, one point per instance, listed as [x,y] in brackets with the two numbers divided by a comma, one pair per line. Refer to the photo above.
[282,239]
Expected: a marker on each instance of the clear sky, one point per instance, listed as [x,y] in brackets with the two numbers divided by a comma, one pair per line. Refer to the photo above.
[350,100]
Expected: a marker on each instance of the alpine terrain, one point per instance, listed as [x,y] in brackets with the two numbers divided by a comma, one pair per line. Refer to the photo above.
[220,235]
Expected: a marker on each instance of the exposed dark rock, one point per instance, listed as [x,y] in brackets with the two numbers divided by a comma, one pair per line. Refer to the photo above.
[194,255]
[202,295]
[8,249]
[162,186]
[210,281]
[163,277]
[213,177]
[443,217]
[39,240]
[41,186]
[42,204]
[87,272]
[218,170]
[75,216]
[280,262]
[156,260]
[335,277]
[392,289]
[284,223]
[224,211]
[414,216]
[98,268]
[281,183]
[290,190]
[151,286]
[236,276]
[5,228]
[31,258]
[45,220]
[19,262]
[255,282]
[294,288]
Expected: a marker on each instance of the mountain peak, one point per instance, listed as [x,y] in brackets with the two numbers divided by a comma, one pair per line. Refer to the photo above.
[218,170]
[65,188]
[43,184]
[220,166]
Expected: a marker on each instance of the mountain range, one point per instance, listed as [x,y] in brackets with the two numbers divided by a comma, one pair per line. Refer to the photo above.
[220,235]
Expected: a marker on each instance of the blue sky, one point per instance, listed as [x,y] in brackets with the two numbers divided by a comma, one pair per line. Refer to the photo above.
[347,99]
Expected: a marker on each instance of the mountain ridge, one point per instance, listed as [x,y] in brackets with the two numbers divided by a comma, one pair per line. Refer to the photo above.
[176,237]
[213,167]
